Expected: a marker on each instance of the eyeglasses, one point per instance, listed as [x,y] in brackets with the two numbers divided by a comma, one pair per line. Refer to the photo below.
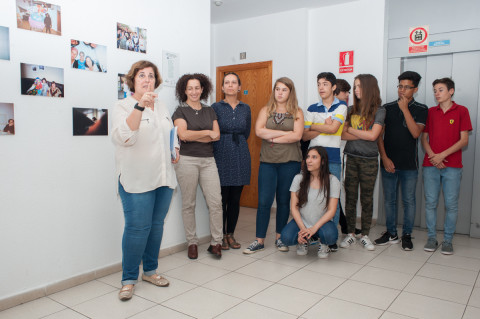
[406,87]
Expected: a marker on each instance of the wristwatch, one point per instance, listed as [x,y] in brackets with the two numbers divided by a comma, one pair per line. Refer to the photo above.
[138,107]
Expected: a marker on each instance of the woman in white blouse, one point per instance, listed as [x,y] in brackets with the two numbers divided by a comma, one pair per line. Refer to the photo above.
[146,178]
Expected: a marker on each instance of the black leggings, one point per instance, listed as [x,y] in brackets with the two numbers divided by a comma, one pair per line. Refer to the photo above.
[231,207]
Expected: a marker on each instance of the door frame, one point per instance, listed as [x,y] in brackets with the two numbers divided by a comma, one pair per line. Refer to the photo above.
[239,67]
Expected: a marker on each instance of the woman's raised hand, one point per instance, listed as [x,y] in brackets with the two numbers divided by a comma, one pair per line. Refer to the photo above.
[148,100]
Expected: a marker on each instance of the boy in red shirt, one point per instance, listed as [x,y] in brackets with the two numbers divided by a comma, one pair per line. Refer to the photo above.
[444,136]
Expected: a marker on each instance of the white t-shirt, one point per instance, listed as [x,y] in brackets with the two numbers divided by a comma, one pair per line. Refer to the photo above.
[142,157]
[314,208]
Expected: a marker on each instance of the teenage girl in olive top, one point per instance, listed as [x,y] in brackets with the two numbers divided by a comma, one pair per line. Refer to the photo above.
[280,126]
[363,126]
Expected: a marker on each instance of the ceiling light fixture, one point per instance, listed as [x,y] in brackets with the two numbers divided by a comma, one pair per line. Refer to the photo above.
[218,3]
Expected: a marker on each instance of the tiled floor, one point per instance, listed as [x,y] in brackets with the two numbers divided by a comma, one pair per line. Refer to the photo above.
[351,283]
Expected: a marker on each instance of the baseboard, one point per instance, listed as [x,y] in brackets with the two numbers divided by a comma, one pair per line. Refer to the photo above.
[71,282]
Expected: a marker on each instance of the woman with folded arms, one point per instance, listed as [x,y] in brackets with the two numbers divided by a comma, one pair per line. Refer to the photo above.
[280,126]
[231,154]
[198,129]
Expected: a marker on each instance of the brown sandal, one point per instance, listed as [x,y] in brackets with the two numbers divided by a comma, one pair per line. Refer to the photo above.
[225,245]
[232,242]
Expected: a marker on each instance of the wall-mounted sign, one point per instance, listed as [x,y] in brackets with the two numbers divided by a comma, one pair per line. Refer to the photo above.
[440,43]
[346,62]
[418,39]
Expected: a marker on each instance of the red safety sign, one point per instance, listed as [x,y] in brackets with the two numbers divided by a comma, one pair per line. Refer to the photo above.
[346,62]
[418,39]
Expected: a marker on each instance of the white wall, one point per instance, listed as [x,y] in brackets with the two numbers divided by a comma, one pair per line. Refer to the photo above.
[302,43]
[59,213]
[280,37]
[357,26]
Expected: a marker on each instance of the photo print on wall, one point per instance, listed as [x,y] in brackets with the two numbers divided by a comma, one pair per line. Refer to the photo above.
[123,90]
[4,43]
[87,121]
[39,16]
[7,121]
[88,56]
[41,80]
[131,38]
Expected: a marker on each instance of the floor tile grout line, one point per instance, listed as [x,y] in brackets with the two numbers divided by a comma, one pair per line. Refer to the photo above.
[446,280]
[471,293]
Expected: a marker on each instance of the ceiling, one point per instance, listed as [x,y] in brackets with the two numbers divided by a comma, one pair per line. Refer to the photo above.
[242,9]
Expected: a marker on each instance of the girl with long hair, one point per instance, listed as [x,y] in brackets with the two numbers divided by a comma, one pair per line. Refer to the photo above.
[314,198]
[280,126]
[363,126]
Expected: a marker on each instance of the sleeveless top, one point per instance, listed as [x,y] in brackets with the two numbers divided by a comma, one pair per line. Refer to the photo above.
[280,153]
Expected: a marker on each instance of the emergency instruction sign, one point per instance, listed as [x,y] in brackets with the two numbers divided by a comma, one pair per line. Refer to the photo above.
[418,39]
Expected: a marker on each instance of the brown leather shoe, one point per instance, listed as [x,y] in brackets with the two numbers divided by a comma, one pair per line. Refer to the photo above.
[215,250]
[192,251]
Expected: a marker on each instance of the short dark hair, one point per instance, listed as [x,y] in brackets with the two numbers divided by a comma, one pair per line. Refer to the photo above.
[412,76]
[137,66]
[205,84]
[329,76]
[342,86]
[447,81]
[233,73]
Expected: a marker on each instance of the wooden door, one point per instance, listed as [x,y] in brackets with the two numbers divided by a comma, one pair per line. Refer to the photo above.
[256,87]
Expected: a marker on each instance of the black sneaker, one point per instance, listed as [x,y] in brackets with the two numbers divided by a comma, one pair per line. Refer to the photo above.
[386,238]
[407,242]
[333,248]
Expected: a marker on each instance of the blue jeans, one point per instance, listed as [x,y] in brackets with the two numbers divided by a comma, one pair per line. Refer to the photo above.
[144,216]
[328,233]
[274,178]
[336,170]
[408,185]
[449,179]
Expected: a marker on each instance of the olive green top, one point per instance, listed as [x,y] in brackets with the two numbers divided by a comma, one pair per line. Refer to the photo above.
[280,153]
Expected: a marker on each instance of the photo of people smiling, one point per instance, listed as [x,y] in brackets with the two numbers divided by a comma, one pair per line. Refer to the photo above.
[88,56]
[41,80]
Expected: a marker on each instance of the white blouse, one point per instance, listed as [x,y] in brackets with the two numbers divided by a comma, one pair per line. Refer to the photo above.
[142,157]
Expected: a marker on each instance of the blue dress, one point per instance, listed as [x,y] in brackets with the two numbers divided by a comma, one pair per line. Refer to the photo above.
[231,151]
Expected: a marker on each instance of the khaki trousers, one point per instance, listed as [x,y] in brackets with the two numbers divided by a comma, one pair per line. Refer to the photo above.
[191,172]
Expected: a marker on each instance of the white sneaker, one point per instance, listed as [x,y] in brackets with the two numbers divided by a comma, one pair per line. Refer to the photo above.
[365,241]
[302,249]
[348,241]
[323,251]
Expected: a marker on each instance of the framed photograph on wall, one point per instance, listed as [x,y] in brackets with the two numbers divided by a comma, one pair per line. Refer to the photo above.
[7,120]
[88,56]
[131,38]
[4,43]
[39,16]
[88,121]
[123,89]
[41,80]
